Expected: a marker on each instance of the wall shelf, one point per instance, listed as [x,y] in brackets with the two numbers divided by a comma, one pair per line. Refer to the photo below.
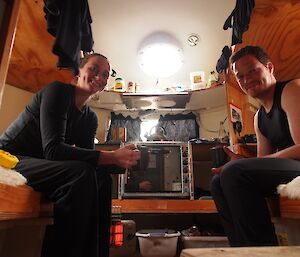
[190,100]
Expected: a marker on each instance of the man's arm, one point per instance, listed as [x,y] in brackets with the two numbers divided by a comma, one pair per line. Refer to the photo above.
[263,146]
[290,104]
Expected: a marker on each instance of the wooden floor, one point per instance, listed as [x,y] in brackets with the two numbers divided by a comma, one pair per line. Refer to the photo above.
[276,251]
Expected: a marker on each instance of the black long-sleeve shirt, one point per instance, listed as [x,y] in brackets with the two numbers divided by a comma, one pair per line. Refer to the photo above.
[51,125]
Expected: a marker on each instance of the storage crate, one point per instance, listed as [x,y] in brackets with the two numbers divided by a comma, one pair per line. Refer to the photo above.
[158,242]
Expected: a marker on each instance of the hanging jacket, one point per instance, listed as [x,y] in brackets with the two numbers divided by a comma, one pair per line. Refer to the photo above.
[239,19]
[223,61]
[69,21]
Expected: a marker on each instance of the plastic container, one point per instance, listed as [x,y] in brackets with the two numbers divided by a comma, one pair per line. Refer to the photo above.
[158,242]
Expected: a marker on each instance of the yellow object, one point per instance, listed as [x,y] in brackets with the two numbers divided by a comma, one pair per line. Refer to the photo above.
[119,85]
[8,160]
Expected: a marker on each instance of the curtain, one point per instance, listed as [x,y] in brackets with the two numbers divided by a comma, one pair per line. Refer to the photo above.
[133,127]
[179,127]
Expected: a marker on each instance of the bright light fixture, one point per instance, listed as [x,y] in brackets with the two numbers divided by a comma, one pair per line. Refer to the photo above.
[160,55]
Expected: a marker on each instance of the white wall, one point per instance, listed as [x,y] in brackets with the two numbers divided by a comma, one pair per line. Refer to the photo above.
[13,102]
[103,123]
[210,122]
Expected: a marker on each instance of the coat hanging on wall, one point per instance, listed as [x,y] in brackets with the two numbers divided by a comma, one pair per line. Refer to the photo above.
[69,21]
[239,19]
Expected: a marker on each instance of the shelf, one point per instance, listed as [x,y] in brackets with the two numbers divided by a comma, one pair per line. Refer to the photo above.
[190,100]
[165,206]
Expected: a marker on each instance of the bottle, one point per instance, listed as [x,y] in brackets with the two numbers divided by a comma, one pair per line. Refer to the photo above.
[119,85]
[131,87]
[222,137]
[137,87]
[212,78]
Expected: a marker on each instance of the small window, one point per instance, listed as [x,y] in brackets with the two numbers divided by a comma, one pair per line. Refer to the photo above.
[146,127]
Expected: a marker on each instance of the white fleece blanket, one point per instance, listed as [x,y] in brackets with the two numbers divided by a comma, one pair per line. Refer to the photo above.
[290,190]
[11,177]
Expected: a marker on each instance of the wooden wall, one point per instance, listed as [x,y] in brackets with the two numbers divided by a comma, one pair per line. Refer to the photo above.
[275,25]
[8,24]
[32,64]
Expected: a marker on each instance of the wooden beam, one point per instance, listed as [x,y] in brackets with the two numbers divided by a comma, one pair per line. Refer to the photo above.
[165,206]
[8,30]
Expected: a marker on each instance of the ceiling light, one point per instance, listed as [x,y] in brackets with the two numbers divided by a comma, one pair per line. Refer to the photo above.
[160,55]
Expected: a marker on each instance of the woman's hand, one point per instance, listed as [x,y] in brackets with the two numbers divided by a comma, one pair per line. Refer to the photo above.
[232,156]
[124,157]
[127,156]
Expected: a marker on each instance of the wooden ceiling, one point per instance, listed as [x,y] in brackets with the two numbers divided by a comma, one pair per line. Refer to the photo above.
[274,25]
[33,65]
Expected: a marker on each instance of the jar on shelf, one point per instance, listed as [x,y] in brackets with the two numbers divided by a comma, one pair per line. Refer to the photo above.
[119,85]
[130,87]
[212,79]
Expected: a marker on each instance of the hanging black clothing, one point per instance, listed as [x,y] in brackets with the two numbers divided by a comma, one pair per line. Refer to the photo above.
[223,61]
[239,19]
[50,125]
[279,138]
[69,21]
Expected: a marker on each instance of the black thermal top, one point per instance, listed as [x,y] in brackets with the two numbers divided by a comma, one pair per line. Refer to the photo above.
[51,125]
[274,124]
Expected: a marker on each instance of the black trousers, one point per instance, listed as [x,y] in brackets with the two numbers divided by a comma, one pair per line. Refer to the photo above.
[82,205]
[239,193]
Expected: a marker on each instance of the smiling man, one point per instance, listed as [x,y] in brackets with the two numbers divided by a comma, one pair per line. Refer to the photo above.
[240,189]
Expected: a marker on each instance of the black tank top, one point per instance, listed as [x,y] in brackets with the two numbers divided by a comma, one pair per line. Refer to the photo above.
[274,125]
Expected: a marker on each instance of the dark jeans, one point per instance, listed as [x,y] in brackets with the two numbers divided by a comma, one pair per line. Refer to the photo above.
[82,205]
[239,193]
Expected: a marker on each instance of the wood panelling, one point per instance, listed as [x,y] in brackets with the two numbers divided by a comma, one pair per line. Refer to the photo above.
[279,251]
[275,26]
[165,206]
[236,97]
[18,202]
[33,65]
[289,208]
[8,32]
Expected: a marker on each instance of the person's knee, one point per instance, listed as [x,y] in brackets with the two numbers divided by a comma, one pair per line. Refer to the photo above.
[230,175]
[215,184]
[82,172]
